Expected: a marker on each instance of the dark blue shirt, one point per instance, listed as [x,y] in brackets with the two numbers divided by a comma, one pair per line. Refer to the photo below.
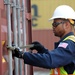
[62,55]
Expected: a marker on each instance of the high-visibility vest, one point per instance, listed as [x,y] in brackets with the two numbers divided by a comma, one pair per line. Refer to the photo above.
[61,70]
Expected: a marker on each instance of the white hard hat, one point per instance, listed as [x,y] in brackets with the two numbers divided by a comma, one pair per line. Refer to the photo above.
[63,11]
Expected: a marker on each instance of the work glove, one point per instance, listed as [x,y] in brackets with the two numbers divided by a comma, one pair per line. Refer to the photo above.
[37,46]
[17,53]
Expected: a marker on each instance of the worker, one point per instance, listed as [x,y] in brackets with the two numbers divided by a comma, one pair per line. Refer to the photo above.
[61,60]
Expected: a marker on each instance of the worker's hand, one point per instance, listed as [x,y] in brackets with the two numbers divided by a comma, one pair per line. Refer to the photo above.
[17,53]
[37,46]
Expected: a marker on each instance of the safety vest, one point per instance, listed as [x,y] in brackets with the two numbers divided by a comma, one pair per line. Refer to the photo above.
[61,70]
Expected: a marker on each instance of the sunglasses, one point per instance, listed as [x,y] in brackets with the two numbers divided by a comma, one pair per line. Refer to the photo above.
[55,24]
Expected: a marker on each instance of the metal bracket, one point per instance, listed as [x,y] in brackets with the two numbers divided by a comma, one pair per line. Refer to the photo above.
[13,4]
[7,2]
[18,7]
[22,9]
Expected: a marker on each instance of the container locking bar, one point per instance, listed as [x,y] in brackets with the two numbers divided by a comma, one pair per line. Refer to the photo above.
[13,47]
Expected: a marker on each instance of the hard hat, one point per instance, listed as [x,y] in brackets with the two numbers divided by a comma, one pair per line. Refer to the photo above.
[63,11]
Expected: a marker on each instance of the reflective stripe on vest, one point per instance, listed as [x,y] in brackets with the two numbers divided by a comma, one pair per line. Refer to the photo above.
[61,71]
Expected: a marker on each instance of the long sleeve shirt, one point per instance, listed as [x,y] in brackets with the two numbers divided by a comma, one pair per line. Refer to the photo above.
[62,55]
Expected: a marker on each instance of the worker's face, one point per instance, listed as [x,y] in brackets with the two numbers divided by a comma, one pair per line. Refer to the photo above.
[58,27]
